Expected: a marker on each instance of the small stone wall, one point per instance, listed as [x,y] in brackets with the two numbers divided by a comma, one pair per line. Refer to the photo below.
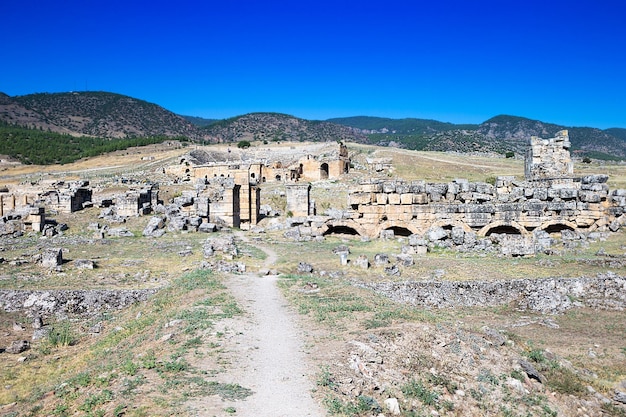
[69,302]
[546,295]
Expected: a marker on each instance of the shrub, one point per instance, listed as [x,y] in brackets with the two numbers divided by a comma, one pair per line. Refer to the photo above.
[243,144]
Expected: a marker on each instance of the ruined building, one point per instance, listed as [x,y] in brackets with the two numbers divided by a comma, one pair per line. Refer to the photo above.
[549,200]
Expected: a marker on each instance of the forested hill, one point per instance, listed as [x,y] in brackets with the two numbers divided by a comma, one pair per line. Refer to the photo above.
[97,114]
[280,127]
[499,134]
[113,116]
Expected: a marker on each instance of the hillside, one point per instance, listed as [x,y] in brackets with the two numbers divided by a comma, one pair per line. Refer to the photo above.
[98,114]
[114,116]
[499,134]
[280,127]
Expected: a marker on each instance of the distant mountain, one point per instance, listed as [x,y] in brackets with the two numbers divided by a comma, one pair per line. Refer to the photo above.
[115,116]
[499,134]
[408,126]
[280,127]
[617,132]
[585,140]
[98,114]
[199,121]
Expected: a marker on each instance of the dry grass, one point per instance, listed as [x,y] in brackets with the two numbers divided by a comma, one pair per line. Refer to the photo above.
[341,310]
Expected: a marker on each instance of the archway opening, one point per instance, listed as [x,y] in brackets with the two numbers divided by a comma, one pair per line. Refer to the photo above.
[400,231]
[324,171]
[557,228]
[341,230]
[503,230]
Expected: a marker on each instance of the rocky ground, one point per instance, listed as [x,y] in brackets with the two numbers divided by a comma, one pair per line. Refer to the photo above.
[279,327]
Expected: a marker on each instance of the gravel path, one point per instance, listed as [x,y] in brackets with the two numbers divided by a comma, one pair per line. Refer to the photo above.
[267,353]
[271,357]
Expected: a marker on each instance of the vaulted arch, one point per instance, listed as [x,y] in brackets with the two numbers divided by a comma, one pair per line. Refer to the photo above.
[512,228]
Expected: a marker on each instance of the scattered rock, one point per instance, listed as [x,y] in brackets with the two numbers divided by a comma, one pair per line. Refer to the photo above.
[51,258]
[18,346]
[531,371]
[304,268]
[393,406]
[84,264]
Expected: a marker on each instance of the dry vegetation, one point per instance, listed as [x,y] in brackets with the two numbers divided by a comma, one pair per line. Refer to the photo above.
[155,357]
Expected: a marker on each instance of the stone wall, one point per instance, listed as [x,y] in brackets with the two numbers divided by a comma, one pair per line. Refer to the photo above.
[509,206]
[61,303]
[545,295]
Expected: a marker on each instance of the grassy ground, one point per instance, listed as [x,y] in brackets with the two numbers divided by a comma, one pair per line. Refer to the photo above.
[144,361]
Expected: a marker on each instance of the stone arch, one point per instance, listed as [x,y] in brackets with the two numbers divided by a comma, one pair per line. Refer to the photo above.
[503,227]
[397,225]
[344,227]
[324,171]
[557,226]
[450,224]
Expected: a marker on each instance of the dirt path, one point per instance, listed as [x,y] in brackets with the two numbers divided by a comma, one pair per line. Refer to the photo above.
[268,355]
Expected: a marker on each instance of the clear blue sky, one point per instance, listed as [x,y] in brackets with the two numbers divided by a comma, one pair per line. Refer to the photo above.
[457,61]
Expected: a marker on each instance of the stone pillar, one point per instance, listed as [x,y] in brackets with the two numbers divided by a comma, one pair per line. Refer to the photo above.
[298,196]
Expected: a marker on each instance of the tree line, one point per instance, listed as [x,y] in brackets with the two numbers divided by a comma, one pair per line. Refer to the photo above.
[37,147]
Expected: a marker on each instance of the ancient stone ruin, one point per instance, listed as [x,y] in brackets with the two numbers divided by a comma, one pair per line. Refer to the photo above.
[524,213]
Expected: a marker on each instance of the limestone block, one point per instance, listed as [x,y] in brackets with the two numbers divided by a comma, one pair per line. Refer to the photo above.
[394,211]
[403,188]
[418,187]
[435,197]
[381,198]
[540,193]
[359,198]
[569,193]
[420,198]
[484,188]
[406,198]
[371,188]
[393,198]
[478,219]
[389,187]
[594,179]
[436,188]
[52,257]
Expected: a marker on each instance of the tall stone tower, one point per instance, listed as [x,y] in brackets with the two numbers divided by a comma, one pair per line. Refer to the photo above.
[549,159]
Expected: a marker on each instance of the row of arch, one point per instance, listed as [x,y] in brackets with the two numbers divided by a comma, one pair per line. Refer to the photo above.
[351,227]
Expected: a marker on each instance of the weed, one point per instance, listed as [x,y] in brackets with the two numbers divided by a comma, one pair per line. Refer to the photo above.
[129,367]
[130,385]
[95,400]
[61,335]
[120,410]
[82,379]
[60,410]
[485,375]
[442,381]
[564,381]
[230,410]
[179,365]
[517,374]
[193,342]
[415,389]
[536,355]
[325,378]
[148,361]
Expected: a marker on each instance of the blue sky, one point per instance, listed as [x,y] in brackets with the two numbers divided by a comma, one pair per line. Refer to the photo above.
[455,61]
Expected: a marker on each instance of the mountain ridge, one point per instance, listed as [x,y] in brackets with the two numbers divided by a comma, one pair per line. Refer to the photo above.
[115,116]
